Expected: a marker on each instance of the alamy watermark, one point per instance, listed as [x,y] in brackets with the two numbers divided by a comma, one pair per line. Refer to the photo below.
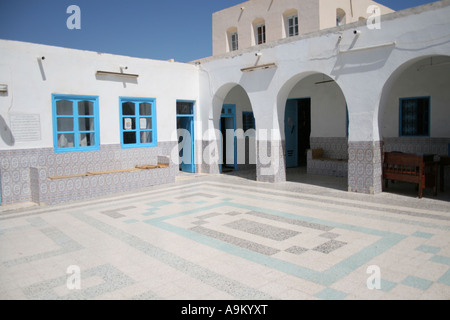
[74,20]
[374,280]
[374,20]
[74,279]
[241,144]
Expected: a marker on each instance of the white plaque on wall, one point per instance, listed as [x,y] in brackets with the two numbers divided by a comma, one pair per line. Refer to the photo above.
[25,127]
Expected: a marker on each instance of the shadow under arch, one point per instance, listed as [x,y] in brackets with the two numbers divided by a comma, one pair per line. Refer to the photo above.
[328,129]
[288,86]
[244,147]
[418,62]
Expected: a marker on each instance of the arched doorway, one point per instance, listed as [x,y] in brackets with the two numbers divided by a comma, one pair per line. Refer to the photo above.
[414,113]
[314,113]
[236,127]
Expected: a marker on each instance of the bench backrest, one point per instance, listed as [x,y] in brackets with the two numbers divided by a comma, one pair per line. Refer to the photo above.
[403,162]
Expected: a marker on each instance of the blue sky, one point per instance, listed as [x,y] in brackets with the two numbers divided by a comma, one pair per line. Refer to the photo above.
[165,29]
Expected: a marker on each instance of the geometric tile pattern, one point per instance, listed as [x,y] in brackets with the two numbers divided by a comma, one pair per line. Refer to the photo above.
[111,280]
[24,173]
[254,241]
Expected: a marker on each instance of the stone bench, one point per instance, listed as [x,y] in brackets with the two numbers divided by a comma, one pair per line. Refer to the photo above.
[50,190]
[319,163]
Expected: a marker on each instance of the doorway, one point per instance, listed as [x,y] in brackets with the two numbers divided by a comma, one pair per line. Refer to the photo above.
[297,129]
[229,144]
[185,132]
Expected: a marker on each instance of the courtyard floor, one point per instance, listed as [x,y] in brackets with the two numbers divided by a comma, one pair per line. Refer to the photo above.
[228,237]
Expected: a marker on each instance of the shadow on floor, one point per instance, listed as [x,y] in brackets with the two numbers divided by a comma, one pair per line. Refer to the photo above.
[299,175]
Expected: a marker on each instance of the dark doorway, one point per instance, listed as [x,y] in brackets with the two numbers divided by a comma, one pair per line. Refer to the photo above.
[297,131]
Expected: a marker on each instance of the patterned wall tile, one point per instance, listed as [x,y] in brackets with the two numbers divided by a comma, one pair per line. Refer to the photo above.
[24,173]
[364,168]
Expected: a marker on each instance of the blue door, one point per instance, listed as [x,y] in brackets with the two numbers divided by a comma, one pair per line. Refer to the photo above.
[185,129]
[291,133]
[229,145]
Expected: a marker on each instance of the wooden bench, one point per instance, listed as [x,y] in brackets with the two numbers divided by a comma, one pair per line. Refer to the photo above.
[412,168]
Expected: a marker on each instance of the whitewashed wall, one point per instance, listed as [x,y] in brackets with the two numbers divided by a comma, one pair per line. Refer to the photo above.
[429,77]
[64,71]
[28,162]
[363,66]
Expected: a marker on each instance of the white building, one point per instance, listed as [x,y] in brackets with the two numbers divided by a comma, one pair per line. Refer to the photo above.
[256,22]
[75,124]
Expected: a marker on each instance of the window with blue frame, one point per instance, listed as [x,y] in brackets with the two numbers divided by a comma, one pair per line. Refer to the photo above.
[138,122]
[248,121]
[75,123]
[415,117]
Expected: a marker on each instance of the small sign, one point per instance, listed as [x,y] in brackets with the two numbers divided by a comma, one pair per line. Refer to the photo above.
[128,124]
[25,127]
[143,123]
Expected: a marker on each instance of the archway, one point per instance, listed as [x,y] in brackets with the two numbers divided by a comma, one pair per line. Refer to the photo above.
[414,113]
[312,111]
[235,123]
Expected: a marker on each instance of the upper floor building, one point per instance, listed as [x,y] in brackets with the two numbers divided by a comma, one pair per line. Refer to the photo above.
[255,22]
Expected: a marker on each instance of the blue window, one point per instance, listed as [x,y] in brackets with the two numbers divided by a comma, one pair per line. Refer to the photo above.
[248,121]
[415,117]
[75,123]
[137,122]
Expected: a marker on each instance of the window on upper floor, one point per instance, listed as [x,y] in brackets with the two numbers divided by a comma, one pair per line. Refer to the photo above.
[259,31]
[415,117]
[292,23]
[340,17]
[261,34]
[75,123]
[234,41]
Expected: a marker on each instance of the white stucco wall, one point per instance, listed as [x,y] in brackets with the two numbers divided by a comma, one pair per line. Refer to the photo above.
[361,65]
[429,77]
[328,106]
[66,71]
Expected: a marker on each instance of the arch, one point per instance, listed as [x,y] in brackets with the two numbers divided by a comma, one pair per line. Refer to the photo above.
[317,96]
[233,96]
[422,77]
[340,17]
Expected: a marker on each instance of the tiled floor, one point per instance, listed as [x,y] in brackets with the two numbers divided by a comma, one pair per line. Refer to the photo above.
[230,238]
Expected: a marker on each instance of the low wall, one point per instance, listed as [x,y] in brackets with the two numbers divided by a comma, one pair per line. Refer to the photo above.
[25,174]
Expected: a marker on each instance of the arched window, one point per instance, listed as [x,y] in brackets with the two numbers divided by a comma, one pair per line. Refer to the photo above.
[259,27]
[233,40]
[291,22]
[340,17]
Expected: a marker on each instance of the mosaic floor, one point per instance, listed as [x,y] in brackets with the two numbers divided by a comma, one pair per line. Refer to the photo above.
[223,237]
